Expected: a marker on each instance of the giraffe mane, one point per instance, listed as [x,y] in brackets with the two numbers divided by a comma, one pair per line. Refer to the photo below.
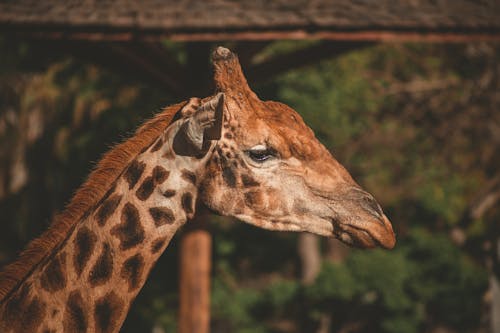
[109,168]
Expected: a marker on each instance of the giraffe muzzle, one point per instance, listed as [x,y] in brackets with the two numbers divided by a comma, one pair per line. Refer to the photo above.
[368,234]
[368,227]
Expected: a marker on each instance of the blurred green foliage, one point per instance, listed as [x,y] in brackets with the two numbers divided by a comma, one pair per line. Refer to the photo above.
[425,281]
[408,121]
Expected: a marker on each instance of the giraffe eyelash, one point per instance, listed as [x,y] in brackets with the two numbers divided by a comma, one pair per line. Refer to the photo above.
[261,153]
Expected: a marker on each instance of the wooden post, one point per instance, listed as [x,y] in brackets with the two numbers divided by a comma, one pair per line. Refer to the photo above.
[196,241]
[495,288]
[195,258]
[310,257]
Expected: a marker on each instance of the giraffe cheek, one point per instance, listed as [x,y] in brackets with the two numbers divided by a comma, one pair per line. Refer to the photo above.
[239,207]
[225,204]
[254,200]
[273,200]
[211,195]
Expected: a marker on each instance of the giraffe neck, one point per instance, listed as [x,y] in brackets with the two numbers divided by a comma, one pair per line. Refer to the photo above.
[89,282]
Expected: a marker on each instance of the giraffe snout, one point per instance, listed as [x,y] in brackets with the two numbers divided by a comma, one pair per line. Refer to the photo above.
[366,226]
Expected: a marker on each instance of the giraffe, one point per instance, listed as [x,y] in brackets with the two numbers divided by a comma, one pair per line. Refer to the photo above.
[232,153]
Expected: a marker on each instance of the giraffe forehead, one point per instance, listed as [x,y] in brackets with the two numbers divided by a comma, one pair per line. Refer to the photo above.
[281,127]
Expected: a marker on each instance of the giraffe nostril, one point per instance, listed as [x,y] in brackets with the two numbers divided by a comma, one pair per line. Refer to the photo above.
[370,204]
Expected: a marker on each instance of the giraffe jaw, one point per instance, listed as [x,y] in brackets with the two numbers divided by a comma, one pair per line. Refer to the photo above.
[360,234]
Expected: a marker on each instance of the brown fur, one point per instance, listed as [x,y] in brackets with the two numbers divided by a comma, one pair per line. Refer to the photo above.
[111,166]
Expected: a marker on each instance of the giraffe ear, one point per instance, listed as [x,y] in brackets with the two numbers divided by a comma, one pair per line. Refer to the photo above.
[206,123]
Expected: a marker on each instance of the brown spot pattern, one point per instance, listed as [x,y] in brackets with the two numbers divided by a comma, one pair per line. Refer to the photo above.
[248,181]
[162,215]
[187,204]
[158,244]
[134,173]
[129,231]
[107,312]
[32,318]
[107,208]
[75,318]
[103,267]
[132,271]
[169,193]
[216,159]
[228,176]
[253,198]
[146,189]
[15,305]
[53,277]
[160,175]
[23,314]
[84,245]
[188,176]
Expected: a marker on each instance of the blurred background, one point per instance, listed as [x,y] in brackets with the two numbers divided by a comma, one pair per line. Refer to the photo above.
[408,100]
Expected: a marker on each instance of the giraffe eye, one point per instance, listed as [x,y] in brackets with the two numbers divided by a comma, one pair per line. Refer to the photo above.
[261,154]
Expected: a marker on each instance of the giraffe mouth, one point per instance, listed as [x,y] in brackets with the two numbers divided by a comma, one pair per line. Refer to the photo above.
[367,234]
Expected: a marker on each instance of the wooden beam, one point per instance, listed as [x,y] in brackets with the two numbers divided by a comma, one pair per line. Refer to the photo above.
[361,35]
[373,35]
[279,64]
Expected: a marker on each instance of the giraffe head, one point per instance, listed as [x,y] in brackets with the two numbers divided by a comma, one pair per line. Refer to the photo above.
[266,167]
